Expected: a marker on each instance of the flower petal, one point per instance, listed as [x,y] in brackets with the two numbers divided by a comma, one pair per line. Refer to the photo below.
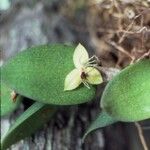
[94,76]
[73,80]
[80,56]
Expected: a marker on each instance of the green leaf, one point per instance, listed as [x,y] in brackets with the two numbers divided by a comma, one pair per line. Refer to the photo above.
[39,73]
[7,104]
[31,120]
[127,96]
[102,120]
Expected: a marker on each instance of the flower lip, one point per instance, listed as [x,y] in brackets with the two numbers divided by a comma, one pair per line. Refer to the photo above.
[83,75]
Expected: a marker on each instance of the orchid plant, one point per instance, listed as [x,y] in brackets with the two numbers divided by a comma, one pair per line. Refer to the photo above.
[29,76]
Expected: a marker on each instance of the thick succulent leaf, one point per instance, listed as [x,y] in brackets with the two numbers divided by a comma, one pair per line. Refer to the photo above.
[102,120]
[80,56]
[73,80]
[7,104]
[127,96]
[39,73]
[31,120]
[94,76]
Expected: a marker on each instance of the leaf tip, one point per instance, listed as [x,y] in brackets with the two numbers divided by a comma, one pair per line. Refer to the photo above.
[101,121]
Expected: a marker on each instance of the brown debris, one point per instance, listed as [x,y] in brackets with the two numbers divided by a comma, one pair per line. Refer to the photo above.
[120,30]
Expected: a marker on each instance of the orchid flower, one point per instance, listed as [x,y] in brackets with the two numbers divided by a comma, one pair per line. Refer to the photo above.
[84,72]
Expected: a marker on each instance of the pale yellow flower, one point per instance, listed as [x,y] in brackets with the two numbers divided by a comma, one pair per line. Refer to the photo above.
[84,72]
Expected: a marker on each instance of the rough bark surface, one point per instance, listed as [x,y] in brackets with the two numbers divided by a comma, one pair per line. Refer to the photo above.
[27,24]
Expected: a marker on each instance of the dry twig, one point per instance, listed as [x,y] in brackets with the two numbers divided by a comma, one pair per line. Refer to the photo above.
[140,132]
[121,49]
